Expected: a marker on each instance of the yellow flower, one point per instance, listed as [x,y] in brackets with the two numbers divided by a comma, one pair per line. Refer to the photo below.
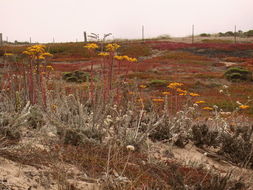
[103,54]
[53,107]
[41,57]
[194,94]
[140,100]
[50,67]
[166,93]
[112,47]
[200,102]
[119,58]
[43,73]
[143,86]
[174,85]
[46,54]
[207,108]
[132,59]
[158,100]
[91,46]
[243,107]
[131,93]
[183,94]
[8,54]
[182,91]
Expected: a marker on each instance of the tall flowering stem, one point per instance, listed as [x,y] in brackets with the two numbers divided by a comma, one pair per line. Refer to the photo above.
[91,47]
[37,56]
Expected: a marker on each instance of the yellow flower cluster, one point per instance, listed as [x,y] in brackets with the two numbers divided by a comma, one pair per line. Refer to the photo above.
[91,46]
[8,54]
[125,57]
[174,85]
[166,93]
[103,54]
[38,52]
[50,67]
[46,54]
[243,107]
[158,100]
[131,93]
[194,94]
[140,100]
[131,59]
[207,108]
[119,58]
[143,86]
[112,47]
[200,102]
[182,92]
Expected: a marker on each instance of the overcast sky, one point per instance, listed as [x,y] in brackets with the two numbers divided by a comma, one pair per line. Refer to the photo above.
[65,20]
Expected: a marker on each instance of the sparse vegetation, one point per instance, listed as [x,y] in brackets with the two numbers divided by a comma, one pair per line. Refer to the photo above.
[121,119]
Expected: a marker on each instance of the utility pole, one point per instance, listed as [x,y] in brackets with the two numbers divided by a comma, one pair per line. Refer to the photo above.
[1,39]
[6,39]
[53,40]
[143,33]
[235,34]
[85,36]
[30,40]
[192,33]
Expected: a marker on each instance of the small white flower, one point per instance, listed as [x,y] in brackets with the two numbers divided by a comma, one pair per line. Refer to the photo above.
[114,107]
[225,86]
[239,103]
[225,113]
[215,107]
[130,147]
[220,91]
[191,108]
[195,105]
[130,112]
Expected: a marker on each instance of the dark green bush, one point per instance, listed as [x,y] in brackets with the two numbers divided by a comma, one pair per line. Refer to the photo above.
[76,76]
[205,35]
[237,74]
[157,83]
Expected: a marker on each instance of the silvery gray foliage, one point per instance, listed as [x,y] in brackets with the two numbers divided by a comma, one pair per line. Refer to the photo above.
[10,119]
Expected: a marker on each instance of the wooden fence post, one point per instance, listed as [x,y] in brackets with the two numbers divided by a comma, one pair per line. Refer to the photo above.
[1,39]
[85,36]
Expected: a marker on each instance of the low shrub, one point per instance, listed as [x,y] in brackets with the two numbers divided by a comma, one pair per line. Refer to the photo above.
[238,147]
[201,135]
[205,35]
[76,76]
[237,74]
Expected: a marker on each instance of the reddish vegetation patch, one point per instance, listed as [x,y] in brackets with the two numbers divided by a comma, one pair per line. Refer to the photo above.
[217,46]
[69,59]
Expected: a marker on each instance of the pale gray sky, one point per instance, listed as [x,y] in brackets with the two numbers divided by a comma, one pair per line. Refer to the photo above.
[65,20]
